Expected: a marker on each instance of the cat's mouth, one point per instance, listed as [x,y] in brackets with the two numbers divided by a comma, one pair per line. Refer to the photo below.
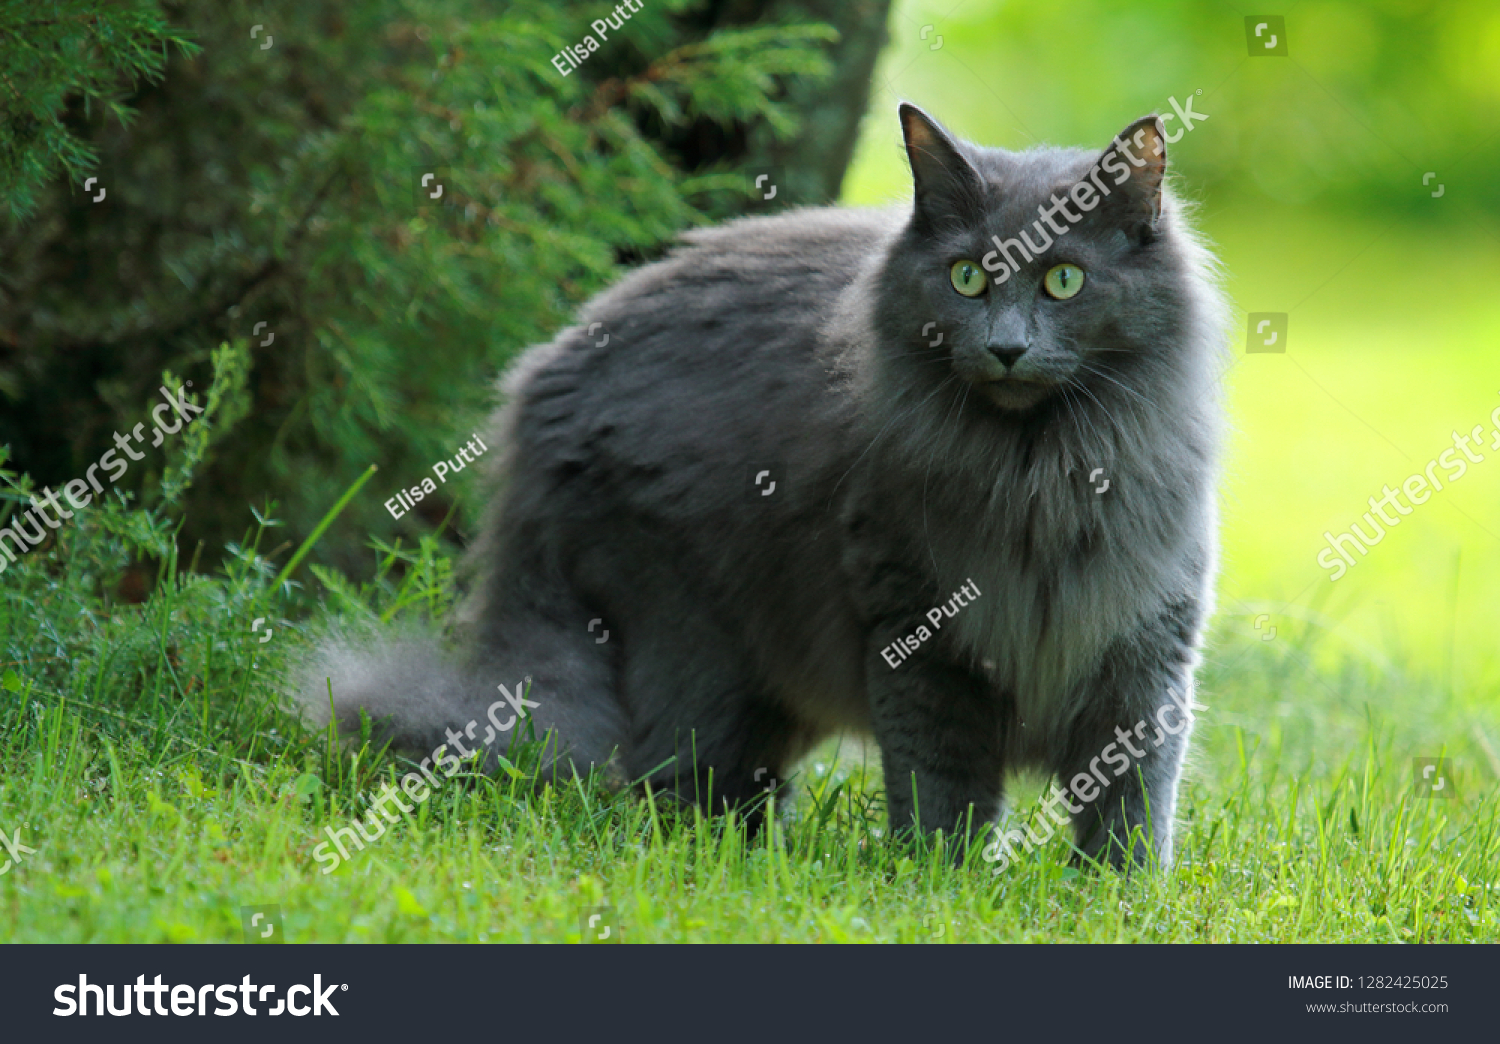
[1015,393]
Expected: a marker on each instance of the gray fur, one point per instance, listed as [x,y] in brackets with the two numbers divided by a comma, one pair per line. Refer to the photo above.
[745,628]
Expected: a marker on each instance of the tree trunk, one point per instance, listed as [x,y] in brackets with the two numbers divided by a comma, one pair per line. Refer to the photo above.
[831,111]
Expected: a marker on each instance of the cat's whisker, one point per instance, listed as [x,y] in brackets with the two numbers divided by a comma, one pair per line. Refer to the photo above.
[1084,388]
[957,406]
[901,415]
[1102,442]
[1121,385]
[1071,413]
[961,404]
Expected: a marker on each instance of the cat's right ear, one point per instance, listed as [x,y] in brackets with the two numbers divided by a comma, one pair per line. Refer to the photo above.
[946,186]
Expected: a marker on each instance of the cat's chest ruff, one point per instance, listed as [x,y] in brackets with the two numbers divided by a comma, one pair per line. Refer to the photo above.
[1063,580]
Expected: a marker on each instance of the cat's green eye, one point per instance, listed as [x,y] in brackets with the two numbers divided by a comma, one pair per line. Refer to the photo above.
[968,278]
[1063,281]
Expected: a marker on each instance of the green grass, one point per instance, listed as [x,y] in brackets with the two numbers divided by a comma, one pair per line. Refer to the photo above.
[1300,822]
[145,753]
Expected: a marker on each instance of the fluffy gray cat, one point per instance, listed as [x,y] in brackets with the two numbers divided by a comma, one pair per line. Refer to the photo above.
[904,473]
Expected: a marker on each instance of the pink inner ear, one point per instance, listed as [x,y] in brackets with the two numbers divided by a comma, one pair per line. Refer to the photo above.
[1145,144]
[918,133]
[1153,151]
[1144,141]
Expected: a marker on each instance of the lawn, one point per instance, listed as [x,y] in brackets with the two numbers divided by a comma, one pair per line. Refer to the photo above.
[157,815]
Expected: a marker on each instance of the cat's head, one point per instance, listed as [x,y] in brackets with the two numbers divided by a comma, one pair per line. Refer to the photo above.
[1041,270]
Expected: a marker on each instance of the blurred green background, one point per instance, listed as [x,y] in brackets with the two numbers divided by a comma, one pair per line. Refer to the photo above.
[1309,175]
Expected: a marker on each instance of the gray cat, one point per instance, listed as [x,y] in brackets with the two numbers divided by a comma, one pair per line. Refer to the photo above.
[918,474]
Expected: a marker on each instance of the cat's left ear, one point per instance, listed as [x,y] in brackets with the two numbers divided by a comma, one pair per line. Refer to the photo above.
[946,185]
[1131,172]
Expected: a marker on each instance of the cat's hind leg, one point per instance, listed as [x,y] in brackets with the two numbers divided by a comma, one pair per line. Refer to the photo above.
[703,726]
[544,636]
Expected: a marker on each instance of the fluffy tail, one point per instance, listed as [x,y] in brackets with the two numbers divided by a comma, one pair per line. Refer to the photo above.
[421,695]
[413,689]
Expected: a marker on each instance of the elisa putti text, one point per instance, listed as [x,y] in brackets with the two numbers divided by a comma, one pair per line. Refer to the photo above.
[406,499]
[574,55]
[897,652]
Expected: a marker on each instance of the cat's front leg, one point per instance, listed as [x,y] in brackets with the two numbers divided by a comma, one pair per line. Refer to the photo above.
[1124,757]
[940,735]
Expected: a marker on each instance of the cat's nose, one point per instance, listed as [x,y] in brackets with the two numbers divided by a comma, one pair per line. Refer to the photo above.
[1007,353]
